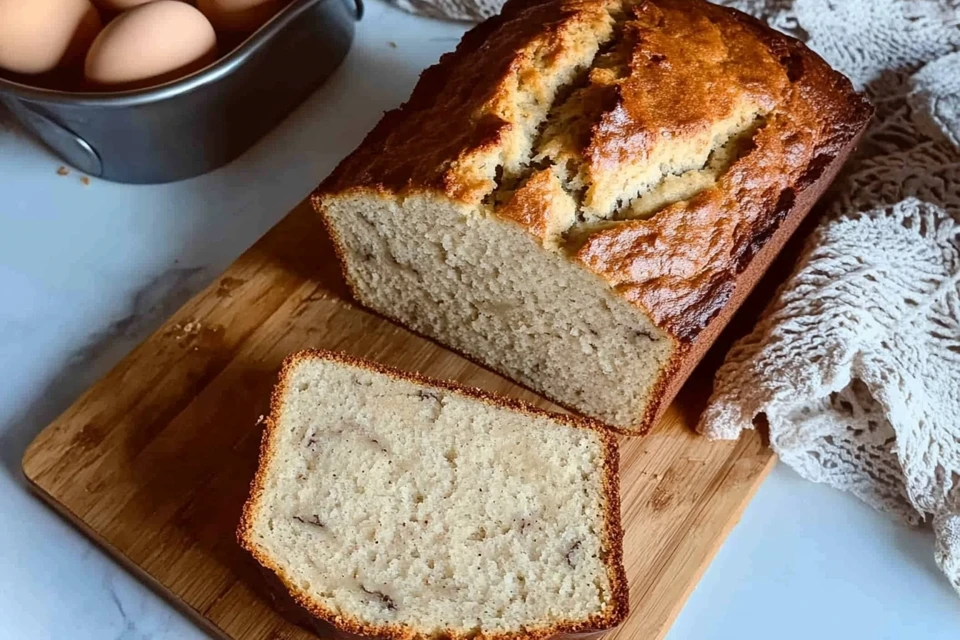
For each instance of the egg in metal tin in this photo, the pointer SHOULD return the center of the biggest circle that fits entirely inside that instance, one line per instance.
(39, 36)
(119, 5)
(240, 16)
(150, 44)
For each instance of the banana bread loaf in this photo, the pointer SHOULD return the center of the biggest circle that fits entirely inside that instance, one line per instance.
(395, 506)
(582, 193)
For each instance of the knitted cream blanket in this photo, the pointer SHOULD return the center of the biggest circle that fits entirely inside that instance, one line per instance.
(855, 366)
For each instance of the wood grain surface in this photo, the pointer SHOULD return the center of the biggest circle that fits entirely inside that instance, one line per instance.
(155, 460)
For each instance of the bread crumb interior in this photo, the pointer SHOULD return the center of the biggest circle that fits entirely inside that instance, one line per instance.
(396, 503)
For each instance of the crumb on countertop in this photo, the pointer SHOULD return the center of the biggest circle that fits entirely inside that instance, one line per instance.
(393, 45)
(63, 171)
(85, 180)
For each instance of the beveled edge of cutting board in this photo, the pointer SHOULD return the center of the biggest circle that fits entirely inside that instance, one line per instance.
(732, 521)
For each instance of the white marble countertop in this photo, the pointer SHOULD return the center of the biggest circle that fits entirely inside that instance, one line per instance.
(88, 271)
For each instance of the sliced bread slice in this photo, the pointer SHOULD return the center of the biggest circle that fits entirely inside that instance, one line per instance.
(393, 505)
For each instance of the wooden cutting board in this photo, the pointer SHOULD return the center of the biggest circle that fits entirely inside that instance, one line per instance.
(155, 460)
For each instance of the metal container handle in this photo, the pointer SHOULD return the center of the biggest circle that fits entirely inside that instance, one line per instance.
(71, 147)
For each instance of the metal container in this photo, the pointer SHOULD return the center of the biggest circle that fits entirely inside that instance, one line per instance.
(197, 123)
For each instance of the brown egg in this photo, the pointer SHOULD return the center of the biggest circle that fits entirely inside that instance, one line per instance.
(149, 45)
(37, 36)
(119, 5)
(240, 16)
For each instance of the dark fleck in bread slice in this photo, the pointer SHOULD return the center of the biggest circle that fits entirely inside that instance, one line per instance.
(393, 505)
(583, 192)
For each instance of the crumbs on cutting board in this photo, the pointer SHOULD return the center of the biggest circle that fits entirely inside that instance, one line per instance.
(190, 328)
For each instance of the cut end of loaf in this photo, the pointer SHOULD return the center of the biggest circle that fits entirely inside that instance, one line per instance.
(396, 506)
(486, 289)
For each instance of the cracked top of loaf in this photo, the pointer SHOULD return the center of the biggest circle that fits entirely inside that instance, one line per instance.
(659, 143)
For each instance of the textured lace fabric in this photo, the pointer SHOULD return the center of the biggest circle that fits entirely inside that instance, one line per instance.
(470, 10)
(855, 366)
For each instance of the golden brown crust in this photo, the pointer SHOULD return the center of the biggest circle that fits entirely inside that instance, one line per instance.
(612, 538)
(462, 107)
(688, 355)
(681, 265)
(688, 64)
(542, 207)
